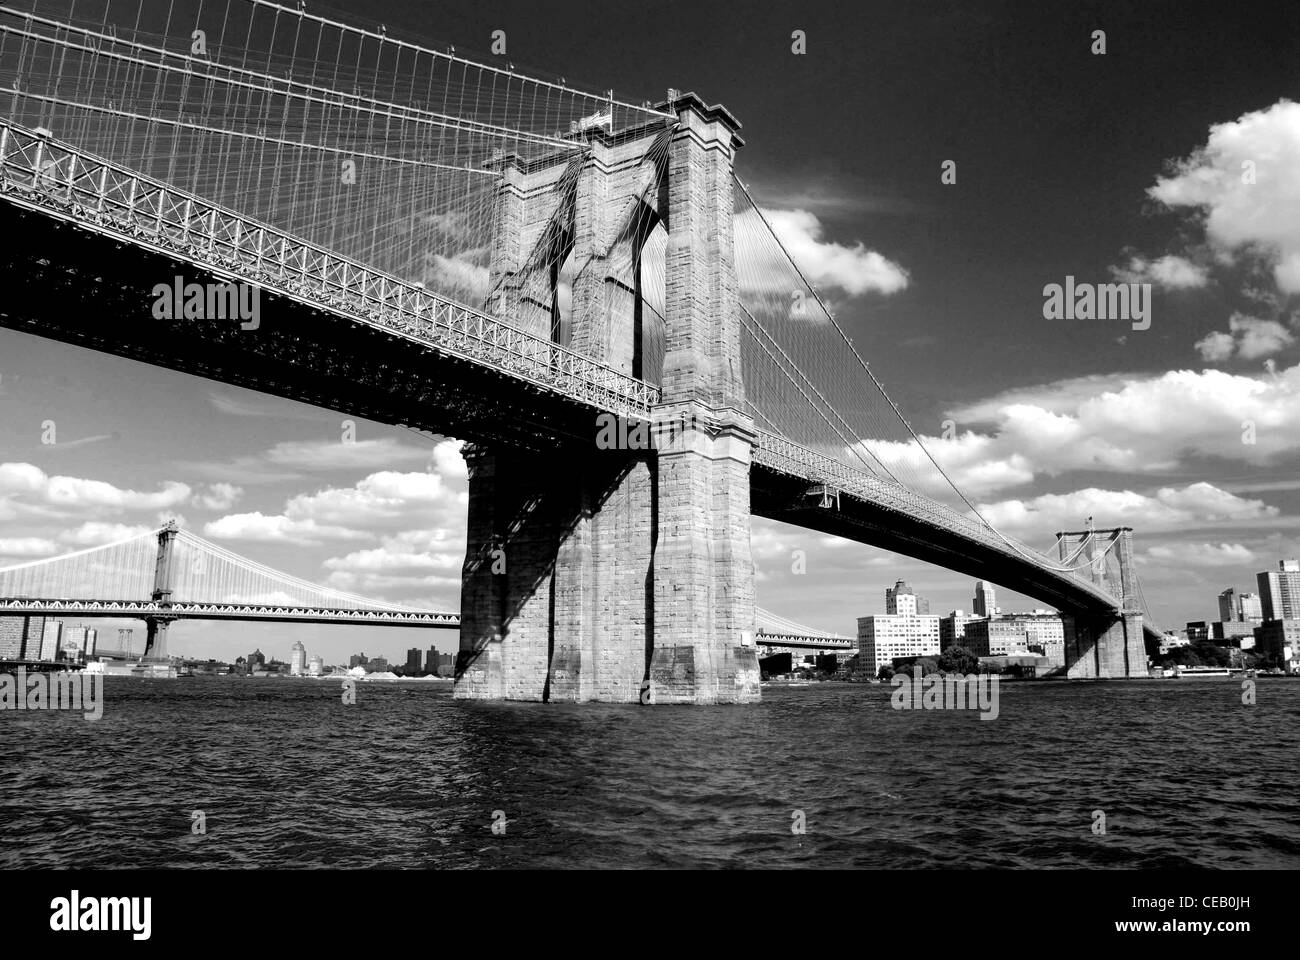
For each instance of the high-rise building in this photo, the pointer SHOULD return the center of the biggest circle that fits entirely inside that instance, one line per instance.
(298, 659)
(357, 660)
(376, 665)
(901, 600)
(1269, 594)
(1249, 609)
(431, 661)
(1279, 591)
(32, 637)
(985, 603)
(413, 660)
(11, 637)
(315, 666)
(952, 629)
(51, 636)
(1228, 605)
(92, 641)
(1289, 581)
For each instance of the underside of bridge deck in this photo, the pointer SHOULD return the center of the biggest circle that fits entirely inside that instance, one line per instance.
(1101, 641)
(81, 287)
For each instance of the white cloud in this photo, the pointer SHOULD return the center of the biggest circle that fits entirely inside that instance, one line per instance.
(27, 547)
(1170, 508)
(219, 496)
(94, 533)
(423, 561)
(23, 480)
(855, 270)
(1117, 424)
(1169, 272)
(1249, 338)
(1200, 554)
(277, 529)
(463, 276)
(1216, 347)
(417, 519)
(1263, 216)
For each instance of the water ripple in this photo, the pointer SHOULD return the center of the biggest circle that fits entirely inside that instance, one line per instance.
(288, 776)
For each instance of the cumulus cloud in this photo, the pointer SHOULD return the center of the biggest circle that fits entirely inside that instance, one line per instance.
(218, 496)
(854, 269)
(27, 547)
(1200, 554)
(258, 526)
(1197, 505)
(1248, 338)
(1245, 184)
(1117, 424)
(27, 484)
(399, 564)
(463, 276)
(385, 506)
(424, 563)
(1169, 272)
(94, 533)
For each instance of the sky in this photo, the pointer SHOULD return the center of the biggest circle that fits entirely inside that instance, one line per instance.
(1171, 159)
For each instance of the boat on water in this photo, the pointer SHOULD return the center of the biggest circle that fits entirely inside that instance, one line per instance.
(1208, 672)
(123, 668)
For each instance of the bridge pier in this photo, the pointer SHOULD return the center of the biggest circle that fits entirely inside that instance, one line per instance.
(621, 574)
(155, 647)
(1104, 647)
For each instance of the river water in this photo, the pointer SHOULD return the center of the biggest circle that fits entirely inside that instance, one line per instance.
(286, 775)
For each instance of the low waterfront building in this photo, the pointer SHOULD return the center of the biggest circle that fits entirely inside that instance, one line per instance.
(884, 638)
(1233, 633)
(1041, 633)
(1171, 641)
(1280, 639)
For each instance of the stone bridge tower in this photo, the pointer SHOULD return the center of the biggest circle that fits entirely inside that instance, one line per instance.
(1112, 644)
(620, 575)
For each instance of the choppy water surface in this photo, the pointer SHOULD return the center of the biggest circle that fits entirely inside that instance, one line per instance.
(288, 776)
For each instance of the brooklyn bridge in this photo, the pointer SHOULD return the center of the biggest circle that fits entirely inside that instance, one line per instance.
(460, 248)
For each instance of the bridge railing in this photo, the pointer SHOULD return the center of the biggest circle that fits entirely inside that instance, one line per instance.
(786, 456)
(106, 196)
